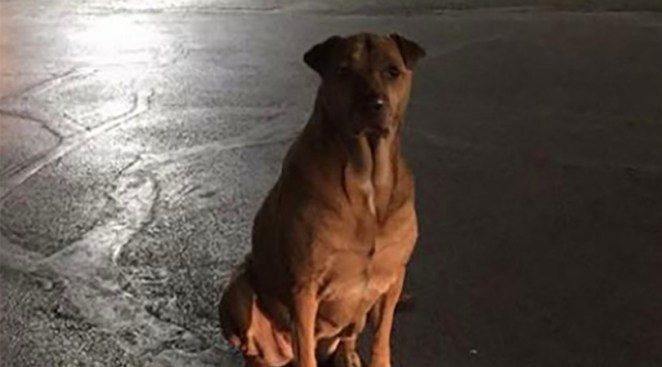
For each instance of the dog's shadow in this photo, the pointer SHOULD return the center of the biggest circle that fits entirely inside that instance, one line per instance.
(329, 363)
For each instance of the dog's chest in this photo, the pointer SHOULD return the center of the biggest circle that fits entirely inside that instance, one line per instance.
(352, 275)
(354, 280)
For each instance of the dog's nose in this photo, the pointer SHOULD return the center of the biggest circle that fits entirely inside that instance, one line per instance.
(378, 103)
(375, 103)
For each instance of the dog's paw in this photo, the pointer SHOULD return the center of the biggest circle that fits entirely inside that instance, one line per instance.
(346, 359)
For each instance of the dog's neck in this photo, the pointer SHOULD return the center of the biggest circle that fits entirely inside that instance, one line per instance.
(370, 167)
(370, 171)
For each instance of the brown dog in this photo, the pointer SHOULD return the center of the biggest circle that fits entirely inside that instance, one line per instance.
(333, 237)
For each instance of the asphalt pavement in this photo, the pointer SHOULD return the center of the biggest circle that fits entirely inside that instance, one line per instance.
(138, 138)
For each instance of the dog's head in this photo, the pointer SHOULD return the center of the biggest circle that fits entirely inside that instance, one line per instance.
(366, 79)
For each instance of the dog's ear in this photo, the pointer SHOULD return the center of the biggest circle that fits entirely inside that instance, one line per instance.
(411, 52)
(318, 56)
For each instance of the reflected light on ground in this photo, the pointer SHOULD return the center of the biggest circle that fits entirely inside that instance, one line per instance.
(121, 39)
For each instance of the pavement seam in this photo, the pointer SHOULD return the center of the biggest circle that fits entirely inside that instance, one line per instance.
(141, 103)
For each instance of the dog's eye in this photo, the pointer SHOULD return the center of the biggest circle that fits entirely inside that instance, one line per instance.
(392, 72)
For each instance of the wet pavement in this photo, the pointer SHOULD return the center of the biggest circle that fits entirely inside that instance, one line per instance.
(138, 138)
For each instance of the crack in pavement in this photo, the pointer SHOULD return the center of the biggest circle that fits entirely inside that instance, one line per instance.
(26, 116)
(17, 258)
(74, 122)
(89, 267)
(461, 46)
(18, 104)
(141, 102)
(259, 136)
(51, 82)
(90, 272)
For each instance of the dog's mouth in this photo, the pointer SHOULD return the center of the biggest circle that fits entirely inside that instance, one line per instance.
(376, 131)
(372, 132)
(377, 124)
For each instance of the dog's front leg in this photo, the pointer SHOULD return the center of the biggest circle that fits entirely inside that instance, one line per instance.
(381, 318)
(305, 313)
